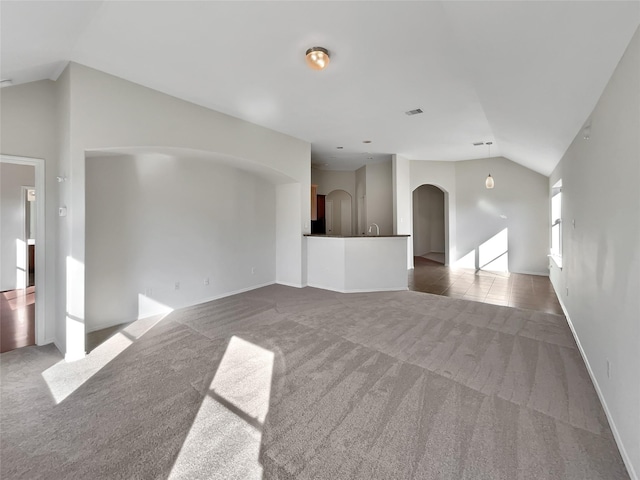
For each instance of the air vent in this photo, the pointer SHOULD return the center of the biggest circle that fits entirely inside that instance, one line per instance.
(414, 112)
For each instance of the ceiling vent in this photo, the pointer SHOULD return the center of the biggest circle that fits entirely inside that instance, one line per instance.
(414, 112)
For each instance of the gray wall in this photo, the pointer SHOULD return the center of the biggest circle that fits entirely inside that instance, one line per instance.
(153, 220)
(12, 214)
(475, 214)
(341, 204)
(521, 195)
(601, 254)
(29, 128)
(329, 181)
(361, 201)
(428, 220)
(379, 196)
(131, 116)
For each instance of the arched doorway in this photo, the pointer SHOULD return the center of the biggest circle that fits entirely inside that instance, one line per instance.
(338, 207)
(429, 223)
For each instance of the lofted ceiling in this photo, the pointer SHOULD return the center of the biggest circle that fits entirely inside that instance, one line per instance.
(524, 75)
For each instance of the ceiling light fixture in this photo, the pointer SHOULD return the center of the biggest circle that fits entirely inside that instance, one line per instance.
(489, 183)
(317, 58)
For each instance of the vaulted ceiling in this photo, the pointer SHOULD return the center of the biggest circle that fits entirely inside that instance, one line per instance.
(524, 74)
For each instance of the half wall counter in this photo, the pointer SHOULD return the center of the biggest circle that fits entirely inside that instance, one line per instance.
(357, 263)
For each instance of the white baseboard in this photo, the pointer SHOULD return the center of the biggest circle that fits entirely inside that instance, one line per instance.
(612, 424)
(100, 326)
(47, 341)
(229, 294)
(528, 272)
(288, 284)
(359, 290)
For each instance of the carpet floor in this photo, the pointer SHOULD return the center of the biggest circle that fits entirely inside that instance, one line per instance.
(284, 383)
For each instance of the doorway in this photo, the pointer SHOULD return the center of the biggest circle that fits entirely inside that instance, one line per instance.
(429, 223)
(338, 207)
(22, 245)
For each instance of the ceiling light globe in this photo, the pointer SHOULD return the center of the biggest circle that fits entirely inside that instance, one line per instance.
(317, 58)
(489, 183)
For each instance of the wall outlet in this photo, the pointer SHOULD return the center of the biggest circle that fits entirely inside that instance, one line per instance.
(206, 281)
(608, 369)
(177, 286)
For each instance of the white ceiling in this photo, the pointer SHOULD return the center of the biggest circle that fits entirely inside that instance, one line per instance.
(523, 74)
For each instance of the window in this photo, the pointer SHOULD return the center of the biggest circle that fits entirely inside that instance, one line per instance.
(556, 223)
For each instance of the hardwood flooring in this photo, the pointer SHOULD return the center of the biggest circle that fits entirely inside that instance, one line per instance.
(17, 313)
(531, 292)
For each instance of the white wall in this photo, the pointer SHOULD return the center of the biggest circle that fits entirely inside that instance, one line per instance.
(360, 200)
(521, 195)
(601, 254)
(12, 216)
(341, 204)
(130, 115)
(379, 196)
(29, 128)
(428, 220)
(474, 213)
(329, 180)
(401, 191)
(154, 220)
(443, 176)
(288, 246)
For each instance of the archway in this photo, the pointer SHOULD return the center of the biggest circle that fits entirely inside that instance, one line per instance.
(338, 207)
(430, 223)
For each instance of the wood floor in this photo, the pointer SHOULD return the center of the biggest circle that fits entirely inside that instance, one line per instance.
(531, 292)
(17, 313)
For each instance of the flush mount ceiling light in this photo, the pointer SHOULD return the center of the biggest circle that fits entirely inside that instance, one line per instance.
(489, 183)
(317, 58)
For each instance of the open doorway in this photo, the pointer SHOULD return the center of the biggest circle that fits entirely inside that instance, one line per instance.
(429, 224)
(22, 250)
(338, 207)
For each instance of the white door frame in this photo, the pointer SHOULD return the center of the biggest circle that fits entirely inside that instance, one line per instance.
(40, 282)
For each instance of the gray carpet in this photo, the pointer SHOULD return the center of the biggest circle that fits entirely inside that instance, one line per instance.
(283, 383)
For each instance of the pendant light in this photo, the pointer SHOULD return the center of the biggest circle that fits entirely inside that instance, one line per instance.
(489, 183)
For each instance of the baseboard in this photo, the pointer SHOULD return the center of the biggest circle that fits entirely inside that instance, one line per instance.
(229, 294)
(288, 284)
(529, 272)
(612, 424)
(103, 325)
(359, 290)
(47, 341)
